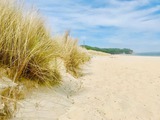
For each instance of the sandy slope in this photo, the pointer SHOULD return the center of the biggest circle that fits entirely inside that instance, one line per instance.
(114, 88)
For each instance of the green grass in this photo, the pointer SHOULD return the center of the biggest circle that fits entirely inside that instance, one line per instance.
(110, 50)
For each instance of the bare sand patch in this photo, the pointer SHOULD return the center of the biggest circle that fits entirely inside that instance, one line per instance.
(114, 88)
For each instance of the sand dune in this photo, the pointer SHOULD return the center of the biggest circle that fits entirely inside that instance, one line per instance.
(114, 88)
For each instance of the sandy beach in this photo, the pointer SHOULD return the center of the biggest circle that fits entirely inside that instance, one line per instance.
(113, 88)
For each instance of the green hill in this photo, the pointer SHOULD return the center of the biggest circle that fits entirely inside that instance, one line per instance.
(110, 50)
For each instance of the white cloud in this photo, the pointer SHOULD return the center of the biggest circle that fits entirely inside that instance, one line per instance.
(117, 13)
(125, 15)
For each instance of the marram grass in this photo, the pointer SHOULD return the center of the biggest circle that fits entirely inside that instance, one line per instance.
(72, 54)
(25, 45)
(28, 52)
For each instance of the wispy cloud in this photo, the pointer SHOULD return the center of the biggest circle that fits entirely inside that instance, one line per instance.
(108, 23)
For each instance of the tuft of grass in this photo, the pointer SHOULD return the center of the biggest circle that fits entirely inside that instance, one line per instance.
(72, 54)
(25, 45)
(8, 103)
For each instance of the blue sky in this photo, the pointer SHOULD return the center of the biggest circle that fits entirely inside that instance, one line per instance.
(131, 24)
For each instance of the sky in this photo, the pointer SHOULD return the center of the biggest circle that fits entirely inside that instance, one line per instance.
(133, 24)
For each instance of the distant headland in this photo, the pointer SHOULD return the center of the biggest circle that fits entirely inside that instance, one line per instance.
(109, 50)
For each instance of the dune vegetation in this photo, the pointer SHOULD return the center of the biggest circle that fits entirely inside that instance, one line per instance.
(28, 51)
(73, 55)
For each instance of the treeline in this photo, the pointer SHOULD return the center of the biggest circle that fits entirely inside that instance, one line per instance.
(110, 50)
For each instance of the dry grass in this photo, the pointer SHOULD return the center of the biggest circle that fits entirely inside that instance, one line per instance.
(25, 45)
(9, 102)
(30, 54)
(26, 51)
(72, 54)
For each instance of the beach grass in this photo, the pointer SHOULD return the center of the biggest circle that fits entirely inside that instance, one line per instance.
(72, 54)
(25, 45)
(30, 53)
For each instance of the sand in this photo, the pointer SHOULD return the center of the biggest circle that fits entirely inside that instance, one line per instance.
(114, 88)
